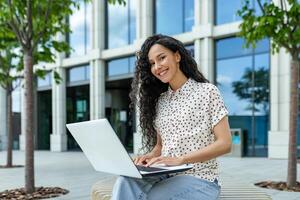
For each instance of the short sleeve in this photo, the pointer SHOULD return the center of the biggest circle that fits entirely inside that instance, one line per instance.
(217, 107)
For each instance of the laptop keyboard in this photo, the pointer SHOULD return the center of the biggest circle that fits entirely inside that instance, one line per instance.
(148, 169)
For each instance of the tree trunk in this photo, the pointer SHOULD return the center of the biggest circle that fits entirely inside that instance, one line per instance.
(292, 158)
(9, 123)
(29, 140)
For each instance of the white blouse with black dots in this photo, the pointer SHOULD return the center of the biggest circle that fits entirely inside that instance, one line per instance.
(185, 120)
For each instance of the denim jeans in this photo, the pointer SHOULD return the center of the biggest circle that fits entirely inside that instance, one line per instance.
(165, 188)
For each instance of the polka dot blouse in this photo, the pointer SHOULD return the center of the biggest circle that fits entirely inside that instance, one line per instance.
(185, 120)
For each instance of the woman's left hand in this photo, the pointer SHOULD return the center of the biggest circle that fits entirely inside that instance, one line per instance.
(169, 161)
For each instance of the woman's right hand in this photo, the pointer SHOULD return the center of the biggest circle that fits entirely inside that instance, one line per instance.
(144, 159)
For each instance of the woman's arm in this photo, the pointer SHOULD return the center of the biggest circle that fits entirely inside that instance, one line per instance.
(156, 152)
(221, 146)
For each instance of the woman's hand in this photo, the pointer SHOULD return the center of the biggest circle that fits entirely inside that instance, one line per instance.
(169, 161)
(144, 159)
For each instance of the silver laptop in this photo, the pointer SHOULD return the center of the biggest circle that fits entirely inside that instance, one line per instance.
(106, 153)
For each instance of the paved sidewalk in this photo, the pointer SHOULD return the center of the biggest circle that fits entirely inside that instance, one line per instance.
(72, 171)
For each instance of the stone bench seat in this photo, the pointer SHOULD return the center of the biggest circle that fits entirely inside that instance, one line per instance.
(102, 189)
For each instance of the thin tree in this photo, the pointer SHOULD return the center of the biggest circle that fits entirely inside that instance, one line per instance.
(281, 23)
(35, 25)
(7, 55)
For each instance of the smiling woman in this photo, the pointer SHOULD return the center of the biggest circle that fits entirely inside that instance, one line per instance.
(183, 120)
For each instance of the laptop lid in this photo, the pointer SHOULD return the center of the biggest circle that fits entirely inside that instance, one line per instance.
(106, 153)
(103, 148)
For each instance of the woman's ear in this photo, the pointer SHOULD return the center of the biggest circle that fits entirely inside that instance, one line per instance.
(177, 56)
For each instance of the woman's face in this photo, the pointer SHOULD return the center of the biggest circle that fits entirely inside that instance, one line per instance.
(164, 63)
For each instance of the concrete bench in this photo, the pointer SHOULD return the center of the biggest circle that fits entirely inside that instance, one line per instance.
(102, 191)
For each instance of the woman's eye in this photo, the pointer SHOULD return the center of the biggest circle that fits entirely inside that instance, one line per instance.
(161, 58)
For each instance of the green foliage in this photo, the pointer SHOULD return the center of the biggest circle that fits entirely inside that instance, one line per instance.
(35, 31)
(277, 22)
(121, 2)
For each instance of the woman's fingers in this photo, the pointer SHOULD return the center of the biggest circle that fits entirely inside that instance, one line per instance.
(140, 160)
(153, 160)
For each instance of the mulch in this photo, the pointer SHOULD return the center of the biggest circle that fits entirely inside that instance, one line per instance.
(14, 166)
(40, 193)
(278, 185)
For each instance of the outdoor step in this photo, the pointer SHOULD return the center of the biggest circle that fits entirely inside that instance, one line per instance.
(102, 191)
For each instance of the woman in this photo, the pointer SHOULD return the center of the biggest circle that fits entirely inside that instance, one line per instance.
(183, 120)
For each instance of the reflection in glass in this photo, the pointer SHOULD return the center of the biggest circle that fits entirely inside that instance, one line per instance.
(121, 66)
(16, 96)
(16, 112)
(78, 109)
(227, 12)
(167, 12)
(81, 73)
(80, 24)
(121, 24)
(46, 81)
(243, 79)
(44, 119)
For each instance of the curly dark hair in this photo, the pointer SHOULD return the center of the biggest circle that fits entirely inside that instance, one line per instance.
(146, 88)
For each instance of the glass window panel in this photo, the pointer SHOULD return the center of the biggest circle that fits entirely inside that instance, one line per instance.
(226, 12)
(168, 12)
(80, 24)
(117, 25)
(132, 21)
(121, 24)
(118, 67)
(189, 15)
(44, 82)
(77, 74)
(87, 71)
(235, 81)
(234, 44)
(16, 96)
(88, 24)
(77, 25)
(225, 70)
(262, 83)
(132, 60)
(262, 46)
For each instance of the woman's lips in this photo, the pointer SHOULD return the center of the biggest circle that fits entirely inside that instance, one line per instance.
(163, 72)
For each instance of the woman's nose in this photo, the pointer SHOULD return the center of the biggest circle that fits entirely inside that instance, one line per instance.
(157, 66)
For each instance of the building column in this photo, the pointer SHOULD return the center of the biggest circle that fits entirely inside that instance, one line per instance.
(207, 58)
(3, 120)
(278, 136)
(97, 89)
(204, 51)
(97, 67)
(58, 138)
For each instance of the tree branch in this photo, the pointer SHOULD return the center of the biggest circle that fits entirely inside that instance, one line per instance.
(14, 26)
(19, 83)
(261, 7)
(29, 21)
(46, 19)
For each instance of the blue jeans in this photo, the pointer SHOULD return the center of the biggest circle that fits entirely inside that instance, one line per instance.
(165, 188)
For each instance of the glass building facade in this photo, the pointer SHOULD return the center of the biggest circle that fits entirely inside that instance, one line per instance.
(173, 16)
(120, 24)
(242, 76)
(80, 24)
(97, 84)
